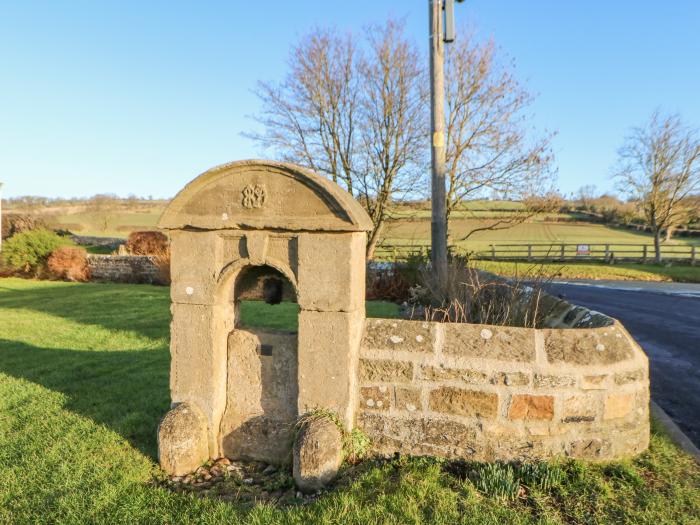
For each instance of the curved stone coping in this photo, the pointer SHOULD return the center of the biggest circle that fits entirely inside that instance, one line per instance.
(499, 393)
(562, 314)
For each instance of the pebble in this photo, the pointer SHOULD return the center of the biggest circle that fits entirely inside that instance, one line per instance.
(270, 469)
(248, 481)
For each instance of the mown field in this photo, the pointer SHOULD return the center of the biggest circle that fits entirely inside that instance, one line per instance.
(84, 382)
(409, 225)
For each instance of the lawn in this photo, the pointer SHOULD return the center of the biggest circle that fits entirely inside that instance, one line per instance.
(84, 382)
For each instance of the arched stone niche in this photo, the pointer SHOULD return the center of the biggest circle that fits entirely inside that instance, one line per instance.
(252, 228)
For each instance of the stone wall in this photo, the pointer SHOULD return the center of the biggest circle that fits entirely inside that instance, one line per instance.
(123, 268)
(490, 392)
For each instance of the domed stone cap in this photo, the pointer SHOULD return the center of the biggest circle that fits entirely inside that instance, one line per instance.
(182, 440)
(317, 454)
(263, 194)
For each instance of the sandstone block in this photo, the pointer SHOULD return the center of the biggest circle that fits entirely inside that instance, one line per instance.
(630, 377)
(195, 263)
(618, 405)
(580, 408)
(594, 346)
(332, 271)
(420, 436)
(440, 373)
(329, 345)
(385, 370)
(375, 398)
(462, 402)
(594, 382)
(525, 406)
(198, 347)
(317, 454)
(407, 398)
(510, 378)
(182, 440)
(550, 381)
(395, 334)
(261, 396)
(593, 448)
(491, 342)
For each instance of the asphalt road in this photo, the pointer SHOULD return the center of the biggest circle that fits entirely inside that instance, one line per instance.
(665, 321)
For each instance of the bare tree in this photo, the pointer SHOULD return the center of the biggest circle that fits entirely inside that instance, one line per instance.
(354, 115)
(488, 148)
(585, 195)
(394, 123)
(660, 167)
(311, 117)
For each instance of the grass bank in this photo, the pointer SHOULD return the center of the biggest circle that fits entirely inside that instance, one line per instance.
(574, 270)
(84, 382)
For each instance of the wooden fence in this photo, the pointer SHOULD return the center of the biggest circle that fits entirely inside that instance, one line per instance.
(610, 253)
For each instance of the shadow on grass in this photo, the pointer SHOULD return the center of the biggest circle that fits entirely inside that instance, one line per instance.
(127, 391)
(144, 309)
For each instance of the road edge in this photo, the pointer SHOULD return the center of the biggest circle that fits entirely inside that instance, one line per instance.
(674, 431)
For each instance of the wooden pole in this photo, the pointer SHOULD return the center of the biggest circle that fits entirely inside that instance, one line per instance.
(437, 110)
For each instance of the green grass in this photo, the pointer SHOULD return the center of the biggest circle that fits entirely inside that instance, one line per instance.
(575, 270)
(84, 382)
(418, 232)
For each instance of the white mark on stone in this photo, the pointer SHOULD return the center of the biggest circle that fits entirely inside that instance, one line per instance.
(394, 325)
(486, 334)
(396, 339)
(189, 290)
(600, 347)
(419, 338)
(425, 325)
(370, 402)
(224, 216)
(618, 335)
(382, 389)
(380, 404)
(411, 407)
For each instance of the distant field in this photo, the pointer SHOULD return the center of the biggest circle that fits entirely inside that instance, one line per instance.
(410, 225)
(109, 223)
(418, 232)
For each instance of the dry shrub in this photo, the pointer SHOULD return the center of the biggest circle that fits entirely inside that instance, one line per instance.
(14, 223)
(69, 263)
(157, 246)
(388, 282)
(147, 243)
(472, 296)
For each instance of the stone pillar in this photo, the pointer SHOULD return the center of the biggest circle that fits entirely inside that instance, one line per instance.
(331, 297)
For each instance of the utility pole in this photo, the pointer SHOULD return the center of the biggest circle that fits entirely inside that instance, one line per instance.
(442, 30)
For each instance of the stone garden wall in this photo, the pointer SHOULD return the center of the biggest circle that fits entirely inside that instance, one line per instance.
(490, 392)
(123, 268)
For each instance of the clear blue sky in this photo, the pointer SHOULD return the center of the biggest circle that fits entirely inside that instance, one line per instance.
(140, 97)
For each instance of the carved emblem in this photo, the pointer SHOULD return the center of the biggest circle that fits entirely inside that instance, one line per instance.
(254, 196)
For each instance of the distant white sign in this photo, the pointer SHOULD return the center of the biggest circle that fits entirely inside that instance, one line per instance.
(583, 249)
